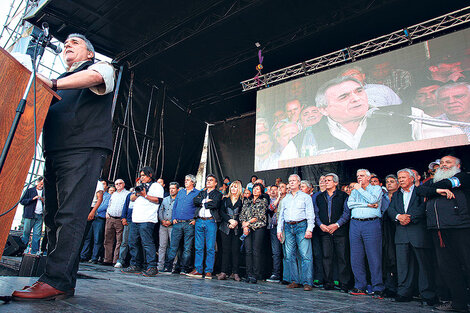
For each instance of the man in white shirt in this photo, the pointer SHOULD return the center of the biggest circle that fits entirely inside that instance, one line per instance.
(147, 200)
(350, 122)
(114, 227)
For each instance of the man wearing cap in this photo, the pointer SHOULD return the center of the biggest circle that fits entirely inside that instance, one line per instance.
(77, 138)
(432, 167)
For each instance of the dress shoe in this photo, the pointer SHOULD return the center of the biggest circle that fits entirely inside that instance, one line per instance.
(447, 307)
(328, 286)
(432, 302)
(41, 291)
(400, 298)
(308, 288)
(293, 285)
(222, 276)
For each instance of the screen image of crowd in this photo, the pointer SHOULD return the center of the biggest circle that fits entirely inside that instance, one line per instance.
(403, 236)
(411, 99)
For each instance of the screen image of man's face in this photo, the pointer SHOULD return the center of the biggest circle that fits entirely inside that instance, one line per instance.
(346, 101)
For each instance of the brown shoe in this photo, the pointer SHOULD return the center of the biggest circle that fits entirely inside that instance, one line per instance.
(195, 274)
(307, 288)
(236, 277)
(41, 291)
(293, 285)
(222, 276)
(208, 276)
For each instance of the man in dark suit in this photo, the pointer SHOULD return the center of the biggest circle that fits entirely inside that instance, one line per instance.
(332, 217)
(411, 240)
(33, 202)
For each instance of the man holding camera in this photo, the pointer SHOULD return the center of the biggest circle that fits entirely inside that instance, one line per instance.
(147, 198)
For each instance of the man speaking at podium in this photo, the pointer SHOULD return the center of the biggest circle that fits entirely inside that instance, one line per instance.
(77, 137)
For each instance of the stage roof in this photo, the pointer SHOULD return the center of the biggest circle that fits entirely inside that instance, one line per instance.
(203, 49)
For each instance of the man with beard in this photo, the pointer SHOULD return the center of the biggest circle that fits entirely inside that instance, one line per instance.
(448, 218)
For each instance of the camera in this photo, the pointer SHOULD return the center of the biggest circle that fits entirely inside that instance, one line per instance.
(139, 188)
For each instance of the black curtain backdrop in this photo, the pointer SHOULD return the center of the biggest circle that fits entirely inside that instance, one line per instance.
(231, 153)
(172, 155)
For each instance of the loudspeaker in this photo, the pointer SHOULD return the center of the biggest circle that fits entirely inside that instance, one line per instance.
(14, 246)
(32, 265)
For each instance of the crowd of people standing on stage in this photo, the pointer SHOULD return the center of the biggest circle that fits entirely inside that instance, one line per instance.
(404, 239)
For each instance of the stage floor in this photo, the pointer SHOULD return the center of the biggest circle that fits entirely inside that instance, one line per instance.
(105, 289)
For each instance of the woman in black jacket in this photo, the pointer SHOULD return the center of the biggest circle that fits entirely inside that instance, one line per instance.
(253, 219)
(230, 231)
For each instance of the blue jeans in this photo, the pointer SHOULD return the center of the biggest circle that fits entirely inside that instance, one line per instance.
(186, 231)
(205, 233)
(296, 242)
(366, 240)
(96, 235)
(124, 249)
(142, 233)
(35, 224)
(276, 249)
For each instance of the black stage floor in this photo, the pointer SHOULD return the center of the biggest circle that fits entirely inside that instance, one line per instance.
(105, 289)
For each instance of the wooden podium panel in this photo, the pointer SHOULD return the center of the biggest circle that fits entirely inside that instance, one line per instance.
(13, 80)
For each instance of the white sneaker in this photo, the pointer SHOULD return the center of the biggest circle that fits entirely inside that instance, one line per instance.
(118, 265)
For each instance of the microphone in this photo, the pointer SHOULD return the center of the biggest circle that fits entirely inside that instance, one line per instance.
(55, 48)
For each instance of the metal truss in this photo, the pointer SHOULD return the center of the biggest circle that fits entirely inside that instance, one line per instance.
(343, 13)
(407, 35)
(184, 30)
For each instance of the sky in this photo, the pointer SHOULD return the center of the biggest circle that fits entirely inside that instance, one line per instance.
(48, 60)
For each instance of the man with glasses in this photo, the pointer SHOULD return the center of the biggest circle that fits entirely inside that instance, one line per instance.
(114, 227)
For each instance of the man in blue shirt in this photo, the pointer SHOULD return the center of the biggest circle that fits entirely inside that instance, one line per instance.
(297, 218)
(365, 234)
(183, 225)
(97, 230)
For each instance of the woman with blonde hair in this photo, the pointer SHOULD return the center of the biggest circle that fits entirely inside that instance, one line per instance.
(230, 232)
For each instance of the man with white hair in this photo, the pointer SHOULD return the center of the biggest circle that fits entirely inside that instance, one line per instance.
(297, 219)
(349, 122)
(455, 98)
(183, 225)
(365, 234)
(77, 137)
(411, 241)
(448, 218)
(114, 228)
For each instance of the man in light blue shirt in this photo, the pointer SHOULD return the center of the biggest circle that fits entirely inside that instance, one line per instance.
(365, 234)
(297, 219)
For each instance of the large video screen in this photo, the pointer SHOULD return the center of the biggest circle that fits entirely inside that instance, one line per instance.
(411, 99)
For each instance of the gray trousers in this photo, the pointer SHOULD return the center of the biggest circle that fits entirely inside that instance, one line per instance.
(164, 239)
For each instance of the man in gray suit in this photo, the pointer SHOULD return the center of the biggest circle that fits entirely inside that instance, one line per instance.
(411, 240)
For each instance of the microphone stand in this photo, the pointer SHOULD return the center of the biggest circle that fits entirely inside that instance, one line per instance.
(41, 44)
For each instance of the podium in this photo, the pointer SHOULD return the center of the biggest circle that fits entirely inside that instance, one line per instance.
(13, 80)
